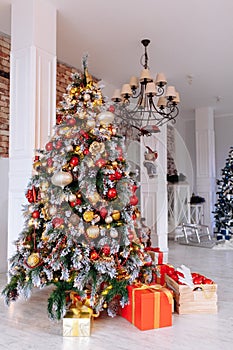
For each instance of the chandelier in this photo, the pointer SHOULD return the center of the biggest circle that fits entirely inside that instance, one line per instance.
(144, 103)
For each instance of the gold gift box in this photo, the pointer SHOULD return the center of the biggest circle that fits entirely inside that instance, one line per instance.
(77, 325)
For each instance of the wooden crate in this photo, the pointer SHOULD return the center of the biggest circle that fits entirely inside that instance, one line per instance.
(201, 299)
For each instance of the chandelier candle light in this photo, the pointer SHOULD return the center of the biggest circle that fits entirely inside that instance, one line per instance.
(155, 104)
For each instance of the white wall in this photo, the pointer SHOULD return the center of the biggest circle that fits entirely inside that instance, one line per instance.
(223, 140)
(185, 153)
(4, 168)
(185, 143)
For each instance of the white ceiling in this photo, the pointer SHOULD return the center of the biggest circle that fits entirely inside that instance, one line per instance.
(188, 38)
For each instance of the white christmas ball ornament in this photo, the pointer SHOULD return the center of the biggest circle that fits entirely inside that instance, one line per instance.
(86, 97)
(108, 219)
(113, 233)
(69, 148)
(90, 123)
(105, 118)
(72, 197)
(62, 178)
(52, 210)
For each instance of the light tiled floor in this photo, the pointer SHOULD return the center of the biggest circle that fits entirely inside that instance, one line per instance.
(25, 326)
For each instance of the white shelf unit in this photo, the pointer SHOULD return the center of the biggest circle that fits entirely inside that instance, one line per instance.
(178, 205)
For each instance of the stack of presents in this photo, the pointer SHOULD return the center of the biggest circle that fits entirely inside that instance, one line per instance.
(151, 306)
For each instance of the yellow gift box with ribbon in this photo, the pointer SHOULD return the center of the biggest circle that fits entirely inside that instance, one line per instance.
(150, 306)
(77, 321)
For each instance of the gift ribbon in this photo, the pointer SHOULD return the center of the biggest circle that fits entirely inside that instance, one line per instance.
(156, 250)
(152, 288)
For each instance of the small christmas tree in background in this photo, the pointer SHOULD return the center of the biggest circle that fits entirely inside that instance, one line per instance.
(79, 232)
(224, 207)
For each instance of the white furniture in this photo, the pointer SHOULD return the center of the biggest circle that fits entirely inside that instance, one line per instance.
(197, 213)
(178, 205)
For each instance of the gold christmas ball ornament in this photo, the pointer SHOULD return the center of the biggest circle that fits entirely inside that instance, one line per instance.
(77, 150)
(73, 90)
(61, 178)
(116, 215)
(63, 130)
(105, 118)
(33, 259)
(37, 165)
(96, 148)
(88, 215)
(93, 231)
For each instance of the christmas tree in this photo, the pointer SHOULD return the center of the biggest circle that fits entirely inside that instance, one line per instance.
(79, 228)
(224, 207)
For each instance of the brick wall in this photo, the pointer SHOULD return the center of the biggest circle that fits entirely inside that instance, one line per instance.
(63, 79)
(4, 94)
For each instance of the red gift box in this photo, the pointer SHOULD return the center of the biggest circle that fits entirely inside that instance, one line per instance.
(156, 255)
(150, 306)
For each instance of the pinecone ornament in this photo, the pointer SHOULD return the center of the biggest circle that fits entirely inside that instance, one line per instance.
(113, 307)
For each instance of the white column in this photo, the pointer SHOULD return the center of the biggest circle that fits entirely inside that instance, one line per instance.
(205, 158)
(32, 97)
(154, 190)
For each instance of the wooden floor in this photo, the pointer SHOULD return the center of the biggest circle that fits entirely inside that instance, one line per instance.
(25, 325)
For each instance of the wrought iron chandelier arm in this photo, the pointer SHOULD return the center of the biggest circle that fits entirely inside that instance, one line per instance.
(153, 106)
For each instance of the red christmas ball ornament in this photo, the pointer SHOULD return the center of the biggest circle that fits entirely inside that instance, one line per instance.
(207, 281)
(100, 162)
(134, 216)
(112, 193)
(74, 161)
(118, 175)
(77, 202)
(58, 119)
(86, 151)
(133, 200)
(58, 144)
(111, 109)
(56, 222)
(134, 188)
(35, 214)
(29, 196)
(71, 121)
(84, 134)
(106, 249)
(50, 162)
(120, 158)
(49, 146)
(103, 212)
(94, 255)
(112, 177)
